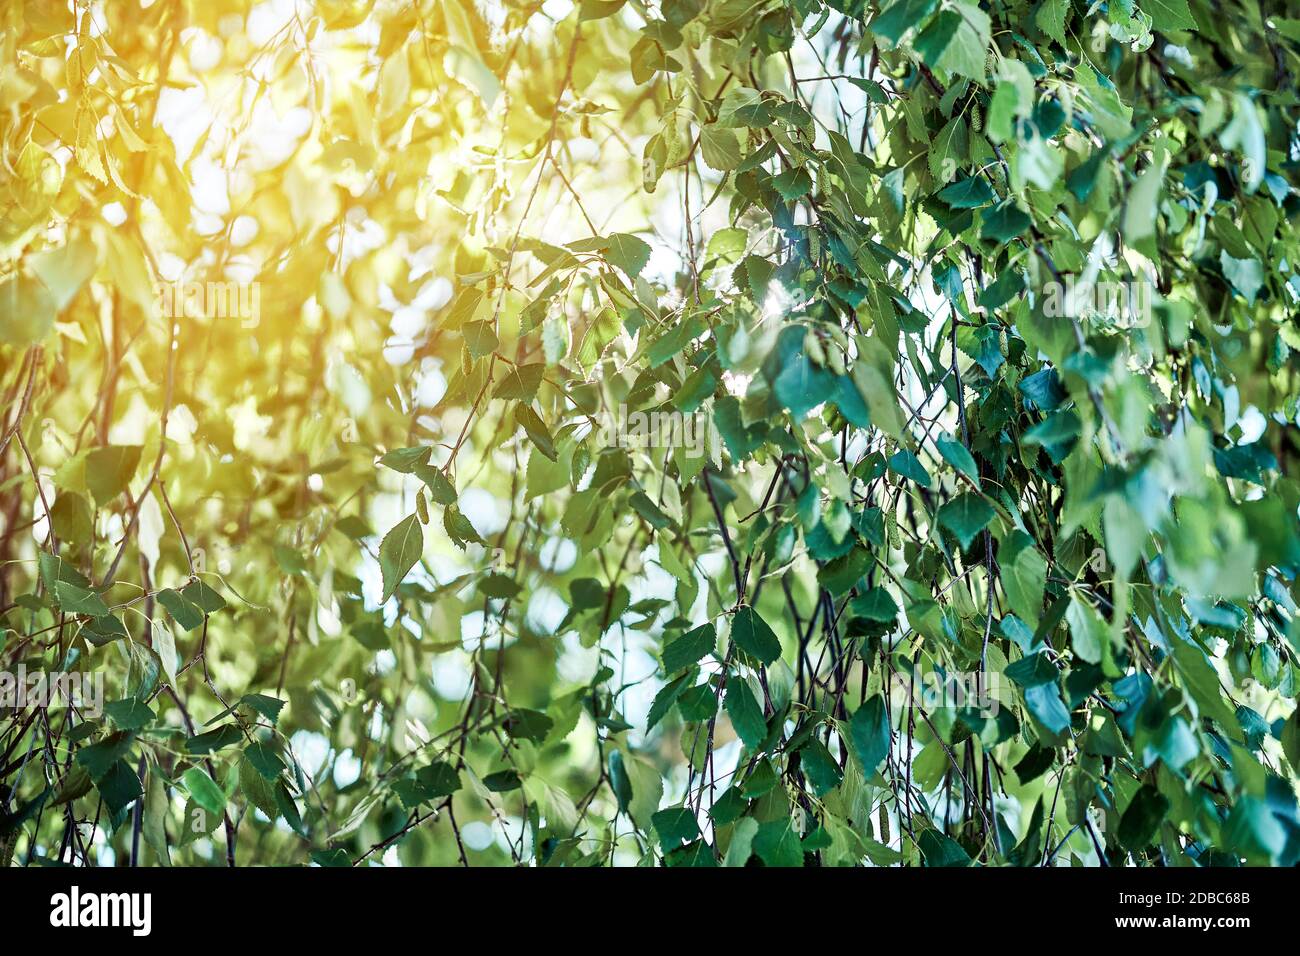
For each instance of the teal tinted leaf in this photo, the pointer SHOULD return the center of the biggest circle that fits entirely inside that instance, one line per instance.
(1033, 670)
(1044, 702)
(619, 781)
(955, 453)
(904, 463)
(802, 385)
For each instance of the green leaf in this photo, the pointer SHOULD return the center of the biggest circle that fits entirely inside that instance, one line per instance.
(1004, 222)
(869, 736)
(939, 850)
(745, 713)
(204, 791)
(675, 826)
(720, 148)
(1142, 817)
(155, 814)
(99, 758)
(793, 183)
(27, 310)
(1051, 17)
(257, 789)
(966, 516)
(537, 433)
(120, 787)
(1169, 15)
(503, 781)
(109, 470)
(753, 636)
(1088, 632)
(820, 767)
(956, 41)
(521, 383)
(459, 528)
(689, 648)
(628, 253)
(968, 193)
(406, 460)
(955, 453)
(228, 735)
(399, 551)
(129, 713)
(480, 339)
(777, 844)
(441, 490)
(1023, 576)
(900, 16)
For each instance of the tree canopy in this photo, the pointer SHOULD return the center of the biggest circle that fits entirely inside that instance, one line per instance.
(688, 432)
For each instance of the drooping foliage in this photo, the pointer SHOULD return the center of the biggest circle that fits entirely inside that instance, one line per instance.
(695, 432)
